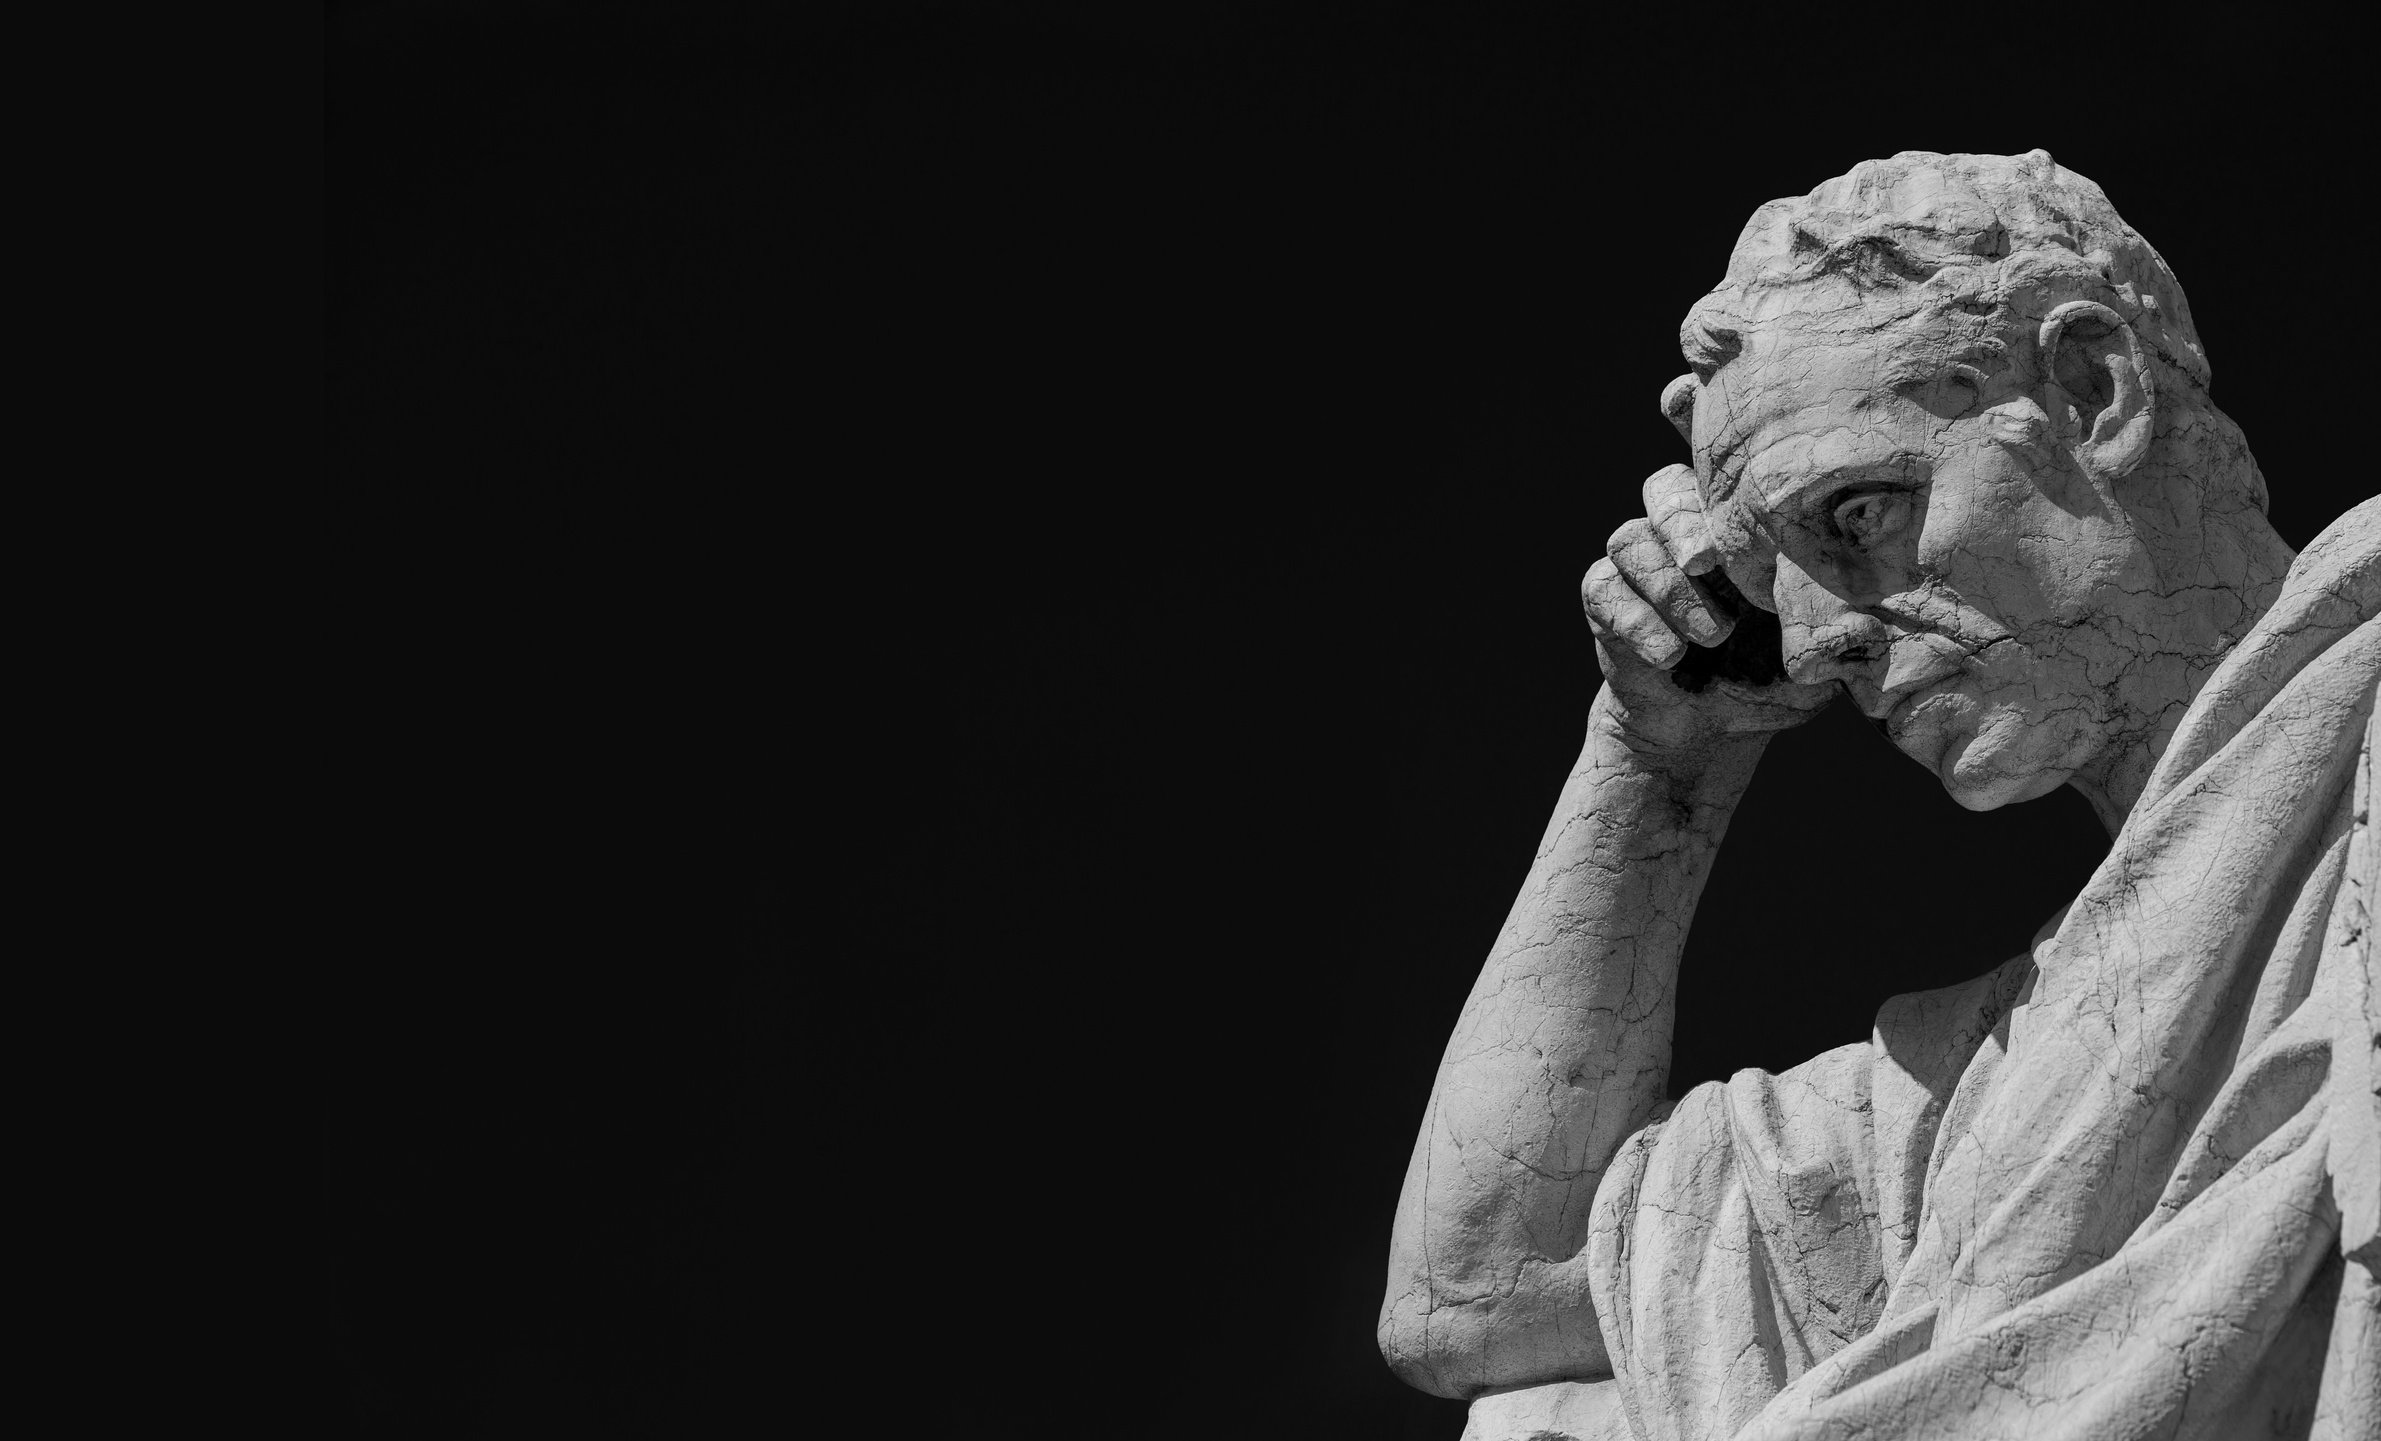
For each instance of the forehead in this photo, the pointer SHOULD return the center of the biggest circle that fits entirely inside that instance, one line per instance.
(1803, 400)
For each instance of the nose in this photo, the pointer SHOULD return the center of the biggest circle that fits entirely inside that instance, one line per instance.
(1825, 637)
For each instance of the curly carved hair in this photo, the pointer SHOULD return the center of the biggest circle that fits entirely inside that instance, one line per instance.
(1982, 245)
(1923, 233)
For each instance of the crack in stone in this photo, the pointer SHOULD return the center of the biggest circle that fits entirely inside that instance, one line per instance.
(1954, 456)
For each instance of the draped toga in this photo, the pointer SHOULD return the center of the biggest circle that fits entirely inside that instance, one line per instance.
(2127, 1185)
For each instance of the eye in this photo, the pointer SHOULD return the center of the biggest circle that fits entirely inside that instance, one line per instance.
(1871, 516)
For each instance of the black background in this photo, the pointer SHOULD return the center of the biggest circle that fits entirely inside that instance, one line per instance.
(969, 621)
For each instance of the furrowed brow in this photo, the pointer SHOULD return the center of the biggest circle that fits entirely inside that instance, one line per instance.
(1783, 493)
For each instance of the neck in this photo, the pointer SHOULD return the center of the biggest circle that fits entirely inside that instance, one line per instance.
(2232, 583)
(2113, 783)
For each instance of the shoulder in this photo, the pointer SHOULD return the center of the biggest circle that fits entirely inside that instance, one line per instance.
(1931, 1035)
(2350, 543)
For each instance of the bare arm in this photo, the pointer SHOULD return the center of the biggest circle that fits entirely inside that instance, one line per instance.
(1562, 1051)
(1563, 1048)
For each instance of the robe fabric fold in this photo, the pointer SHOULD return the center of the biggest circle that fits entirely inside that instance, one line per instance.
(2127, 1185)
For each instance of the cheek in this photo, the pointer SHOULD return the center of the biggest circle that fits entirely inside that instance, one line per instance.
(2035, 727)
(2006, 547)
(1974, 508)
(2080, 563)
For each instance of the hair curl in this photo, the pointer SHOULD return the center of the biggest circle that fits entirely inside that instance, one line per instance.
(1976, 241)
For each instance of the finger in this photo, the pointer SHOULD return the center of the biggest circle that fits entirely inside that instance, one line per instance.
(1646, 564)
(1675, 507)
(1616, 612)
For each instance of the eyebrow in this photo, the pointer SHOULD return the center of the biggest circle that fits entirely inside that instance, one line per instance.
(1894, 466)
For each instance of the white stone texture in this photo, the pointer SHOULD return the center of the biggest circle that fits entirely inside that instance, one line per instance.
(1951, 428)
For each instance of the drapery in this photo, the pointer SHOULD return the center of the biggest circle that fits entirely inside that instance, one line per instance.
(2126, 1185)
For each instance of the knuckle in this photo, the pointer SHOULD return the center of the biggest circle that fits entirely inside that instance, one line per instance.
(1595, 588)
(1689, 543)
(1636, 541)
(1661, 585)
(1643, 624)
(1671, 487)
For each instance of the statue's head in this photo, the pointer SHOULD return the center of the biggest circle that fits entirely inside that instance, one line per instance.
(1950, 421)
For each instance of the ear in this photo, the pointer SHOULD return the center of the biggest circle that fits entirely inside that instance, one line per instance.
(2097, 389)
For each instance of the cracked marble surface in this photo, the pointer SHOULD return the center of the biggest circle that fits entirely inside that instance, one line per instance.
(1954, 455)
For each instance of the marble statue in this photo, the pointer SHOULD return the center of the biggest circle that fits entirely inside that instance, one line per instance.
(1954, 456)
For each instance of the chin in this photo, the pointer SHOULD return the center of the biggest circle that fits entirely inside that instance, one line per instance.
(1999, 788)
(1984, 776)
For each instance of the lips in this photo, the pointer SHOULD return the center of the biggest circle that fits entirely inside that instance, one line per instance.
(1903, 710)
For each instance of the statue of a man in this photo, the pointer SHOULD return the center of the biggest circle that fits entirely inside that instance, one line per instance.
(1954, 455)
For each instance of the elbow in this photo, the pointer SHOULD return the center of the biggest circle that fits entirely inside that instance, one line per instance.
(1420, 1346)
(1460, 1349)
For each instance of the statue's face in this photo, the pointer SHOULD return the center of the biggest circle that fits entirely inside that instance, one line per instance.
(1900, 506)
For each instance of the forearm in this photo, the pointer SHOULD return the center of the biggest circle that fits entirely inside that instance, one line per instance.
(1562, 1050)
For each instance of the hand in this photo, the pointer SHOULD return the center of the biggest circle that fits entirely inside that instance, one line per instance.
(1686, 657)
